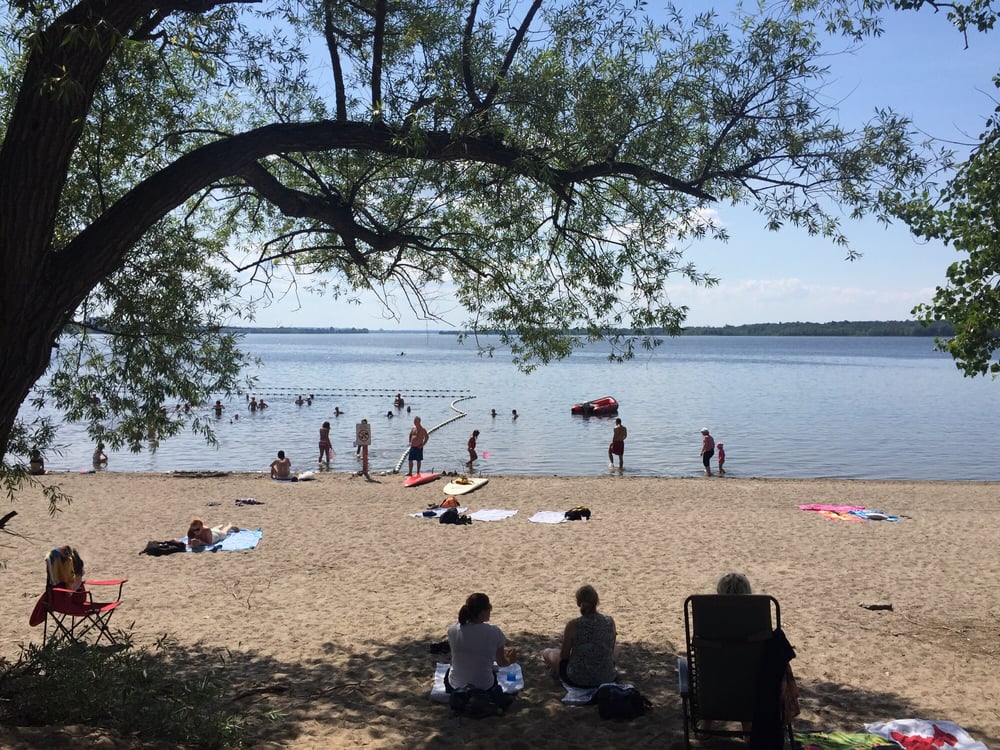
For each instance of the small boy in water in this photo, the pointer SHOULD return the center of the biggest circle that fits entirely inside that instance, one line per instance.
(722, 457)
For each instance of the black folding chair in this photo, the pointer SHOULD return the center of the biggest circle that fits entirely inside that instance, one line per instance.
(727, 637)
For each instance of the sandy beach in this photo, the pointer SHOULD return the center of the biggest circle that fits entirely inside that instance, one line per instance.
(329, 619)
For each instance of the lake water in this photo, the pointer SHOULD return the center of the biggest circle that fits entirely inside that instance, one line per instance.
(882, 408)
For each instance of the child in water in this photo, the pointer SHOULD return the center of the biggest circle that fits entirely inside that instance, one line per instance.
(721, 452)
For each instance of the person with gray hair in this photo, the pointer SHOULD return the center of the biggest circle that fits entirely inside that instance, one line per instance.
(739, 584)
(707, 450)
(589, 651)
(733, 583)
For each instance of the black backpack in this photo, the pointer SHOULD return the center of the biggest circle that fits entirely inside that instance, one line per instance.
(155, 549)
(478, 704)
(620, 702)
(579, 513)
(451, 516)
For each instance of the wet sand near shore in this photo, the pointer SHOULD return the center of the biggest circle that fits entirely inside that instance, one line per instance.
(329, 619)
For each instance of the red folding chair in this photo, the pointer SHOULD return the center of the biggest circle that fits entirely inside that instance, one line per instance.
(74, 613)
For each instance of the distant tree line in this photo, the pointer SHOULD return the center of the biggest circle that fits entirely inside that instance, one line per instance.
(293, 329)
(937, 329)
(833, 328)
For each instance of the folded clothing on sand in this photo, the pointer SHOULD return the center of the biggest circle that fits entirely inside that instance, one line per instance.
(434, 512)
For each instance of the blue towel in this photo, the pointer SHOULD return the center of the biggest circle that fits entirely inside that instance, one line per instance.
(238, 540)
(873, 515)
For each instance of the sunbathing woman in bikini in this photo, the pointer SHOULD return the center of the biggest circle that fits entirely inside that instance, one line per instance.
(200, 535)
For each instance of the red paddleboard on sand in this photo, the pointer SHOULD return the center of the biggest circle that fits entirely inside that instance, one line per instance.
(419, 479)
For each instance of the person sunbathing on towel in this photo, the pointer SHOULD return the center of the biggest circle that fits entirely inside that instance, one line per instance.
(200, 535)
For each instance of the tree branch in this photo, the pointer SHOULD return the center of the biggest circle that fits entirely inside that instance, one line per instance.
(467, 80)
(378, 45)
(508, 60)
(100, 248)
(338, 72)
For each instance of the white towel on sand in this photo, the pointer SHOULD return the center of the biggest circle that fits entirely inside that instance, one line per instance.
(577, 696)
(440, 695)
(944, 734)
(491, 514)
(548, 516)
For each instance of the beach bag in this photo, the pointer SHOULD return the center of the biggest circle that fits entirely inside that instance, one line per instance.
(578, 513)
(452, 516)
(478, 704)
(155, 549)
(620, 702)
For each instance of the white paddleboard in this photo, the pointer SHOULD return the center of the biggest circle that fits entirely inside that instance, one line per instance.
(464, 485)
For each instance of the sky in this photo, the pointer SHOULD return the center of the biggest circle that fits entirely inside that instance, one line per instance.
(919, 68)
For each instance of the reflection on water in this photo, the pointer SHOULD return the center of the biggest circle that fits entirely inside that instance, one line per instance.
(783, 407)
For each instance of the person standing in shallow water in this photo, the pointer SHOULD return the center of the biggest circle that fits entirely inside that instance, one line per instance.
(617, 446)
(472, 448)
(325, 446)
(707, 450)
(418, 439)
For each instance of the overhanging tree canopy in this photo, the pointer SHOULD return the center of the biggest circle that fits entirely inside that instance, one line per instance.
(966, 212)
(546, 160)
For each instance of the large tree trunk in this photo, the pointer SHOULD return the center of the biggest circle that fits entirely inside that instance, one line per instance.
(28, 332)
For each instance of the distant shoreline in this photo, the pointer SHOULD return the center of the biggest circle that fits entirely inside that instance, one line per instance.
(859, 328)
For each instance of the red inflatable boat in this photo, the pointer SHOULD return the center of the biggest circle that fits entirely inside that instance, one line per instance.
(600, 407)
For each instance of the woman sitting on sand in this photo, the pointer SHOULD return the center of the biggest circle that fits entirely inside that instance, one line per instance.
(589, 652)
(475, 645)
(199, 535)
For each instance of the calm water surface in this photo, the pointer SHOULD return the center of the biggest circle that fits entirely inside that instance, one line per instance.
(886, 408)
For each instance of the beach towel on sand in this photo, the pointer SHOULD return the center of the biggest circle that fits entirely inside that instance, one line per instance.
(516, 685)
(920, 734)
(549, 516)
(239, 540)
(578, 696)
(834, 512)
(843, 741)
(848, 512)
(491, 514)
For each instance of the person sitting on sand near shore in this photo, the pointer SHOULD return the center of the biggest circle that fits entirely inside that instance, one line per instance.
(475, 646)
(281, 467)
(588, 654)
(200, 535)
(36, 464)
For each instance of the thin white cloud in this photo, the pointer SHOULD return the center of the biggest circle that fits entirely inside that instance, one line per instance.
(792, 299)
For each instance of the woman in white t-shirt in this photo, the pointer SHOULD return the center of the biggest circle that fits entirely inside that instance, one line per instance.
(476, 645)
